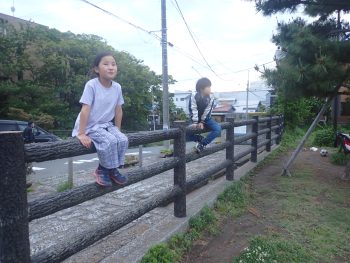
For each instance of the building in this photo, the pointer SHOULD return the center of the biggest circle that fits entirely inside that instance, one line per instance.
(182, 100)
(270, 99)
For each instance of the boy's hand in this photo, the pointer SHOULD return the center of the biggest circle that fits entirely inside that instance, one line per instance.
(85, 140)
(200, 126)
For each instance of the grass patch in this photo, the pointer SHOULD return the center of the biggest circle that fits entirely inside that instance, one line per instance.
(272, 249)
(166, 151)
(233, 200)
(64, 186)
(313, 217)
(338, 158)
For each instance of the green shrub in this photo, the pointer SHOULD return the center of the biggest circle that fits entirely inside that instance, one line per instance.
(324, 137)
(160, 253)
(201, 222)
(233, 200)
(338, 158)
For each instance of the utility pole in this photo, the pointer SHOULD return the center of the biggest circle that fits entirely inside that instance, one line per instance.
(165, 77)
(247, 99)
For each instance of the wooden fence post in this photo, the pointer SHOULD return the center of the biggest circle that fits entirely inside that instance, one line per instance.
(180, 171)
(254, 141)
(268, 134)
(230, 137)
(14, 230)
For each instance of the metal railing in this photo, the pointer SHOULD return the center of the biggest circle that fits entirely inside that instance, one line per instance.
(16, 212)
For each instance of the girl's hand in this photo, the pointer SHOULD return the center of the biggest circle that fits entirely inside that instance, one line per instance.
(200, 126)
(85, 140)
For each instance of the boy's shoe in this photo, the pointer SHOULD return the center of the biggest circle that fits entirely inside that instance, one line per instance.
(117, 177)
(102, 177)
(199, 147)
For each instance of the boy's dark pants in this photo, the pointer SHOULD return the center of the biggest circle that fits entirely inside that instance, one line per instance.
(215, 131)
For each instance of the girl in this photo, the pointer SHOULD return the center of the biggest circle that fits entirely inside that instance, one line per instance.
(102, 102)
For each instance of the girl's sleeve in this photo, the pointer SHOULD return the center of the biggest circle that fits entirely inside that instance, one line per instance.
(88, 95)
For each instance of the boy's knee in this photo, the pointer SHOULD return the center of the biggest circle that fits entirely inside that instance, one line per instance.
(218, 131)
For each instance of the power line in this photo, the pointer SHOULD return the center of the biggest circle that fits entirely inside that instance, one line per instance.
(233, 72)
(193, 39)
(151, 33)
(175, 48)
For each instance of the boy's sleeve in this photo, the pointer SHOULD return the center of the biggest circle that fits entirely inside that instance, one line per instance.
(208, 109)
(120, 100)
(194, 110)
(88, 95)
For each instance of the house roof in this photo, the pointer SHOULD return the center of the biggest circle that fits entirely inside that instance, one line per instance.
(223, 108)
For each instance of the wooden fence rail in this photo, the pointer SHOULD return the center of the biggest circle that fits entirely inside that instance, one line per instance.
(16, 212)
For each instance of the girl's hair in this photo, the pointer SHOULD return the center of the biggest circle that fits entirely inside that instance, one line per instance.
(97, 61)
(202, 84)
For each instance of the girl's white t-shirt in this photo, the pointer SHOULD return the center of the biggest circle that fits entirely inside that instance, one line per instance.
(102, 101)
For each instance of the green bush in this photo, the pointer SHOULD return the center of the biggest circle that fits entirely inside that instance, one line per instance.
(160, 253)
(324, 137)
(338, 158)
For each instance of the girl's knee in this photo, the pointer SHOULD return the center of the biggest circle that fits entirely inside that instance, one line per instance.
(124, 139)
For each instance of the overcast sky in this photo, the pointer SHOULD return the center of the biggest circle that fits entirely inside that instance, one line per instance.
(230, 33)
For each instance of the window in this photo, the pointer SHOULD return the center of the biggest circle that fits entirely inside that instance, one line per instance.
(8, 127)
(182, 99)
(22, 126)
(177, 99)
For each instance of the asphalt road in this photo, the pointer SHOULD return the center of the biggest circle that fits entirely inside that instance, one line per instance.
(88, 162)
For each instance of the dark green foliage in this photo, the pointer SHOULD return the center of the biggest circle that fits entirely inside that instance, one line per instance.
(298, 112)
(338, 158)
(324, 137)
(43, 73)
(314, 55)
(159, 254)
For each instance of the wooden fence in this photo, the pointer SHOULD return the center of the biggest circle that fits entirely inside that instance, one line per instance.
(16, 212)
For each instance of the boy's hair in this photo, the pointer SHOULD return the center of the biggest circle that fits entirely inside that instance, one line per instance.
(30, 123)
(202, 84)
(98, 59)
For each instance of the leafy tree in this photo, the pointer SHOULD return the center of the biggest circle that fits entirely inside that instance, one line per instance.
(312, 62)
(43, 72)
(315, 56)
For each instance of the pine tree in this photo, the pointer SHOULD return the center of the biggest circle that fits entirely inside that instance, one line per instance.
(314, 57)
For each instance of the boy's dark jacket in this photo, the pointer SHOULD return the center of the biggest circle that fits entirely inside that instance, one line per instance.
(200, 107)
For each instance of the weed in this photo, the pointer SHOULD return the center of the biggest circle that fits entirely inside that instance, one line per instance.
(264, 249)
(160, 253)
(64, 186)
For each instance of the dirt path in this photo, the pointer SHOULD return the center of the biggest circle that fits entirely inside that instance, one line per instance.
(315, 184)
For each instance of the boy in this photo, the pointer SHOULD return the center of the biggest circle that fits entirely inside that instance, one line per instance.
(201, 106)
(28, 133)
